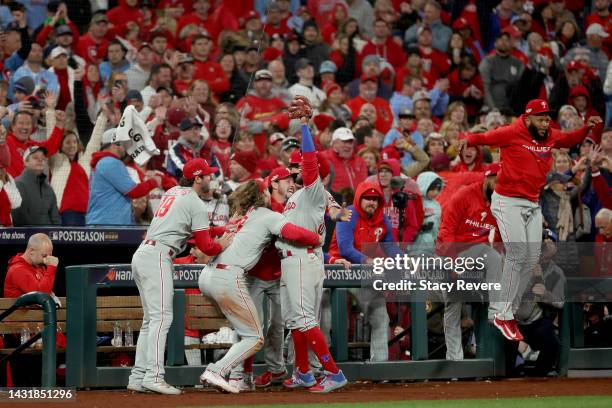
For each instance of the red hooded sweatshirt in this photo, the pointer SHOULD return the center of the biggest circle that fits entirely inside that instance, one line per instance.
(22, 278)
(462, 166)
(525, 161)
(366, 230)
(577, 91)
(467, 218)
(347, 172)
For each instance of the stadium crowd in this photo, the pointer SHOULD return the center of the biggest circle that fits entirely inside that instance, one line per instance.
(395, 84)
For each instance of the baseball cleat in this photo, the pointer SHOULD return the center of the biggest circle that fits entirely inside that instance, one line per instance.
(217, 381)
(508, 328)
(136, 387)
(269, 378)
(298, 380)
(244, 384)
(161, 387)
(330, 383)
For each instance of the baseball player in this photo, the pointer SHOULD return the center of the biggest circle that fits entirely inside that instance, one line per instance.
(224, 280)
(467, 228)
(263, 282)
(526, 157)
(180, 214)
(302, 271)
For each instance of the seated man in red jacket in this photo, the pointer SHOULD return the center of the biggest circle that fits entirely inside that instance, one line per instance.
(33, 270)
(467, 227)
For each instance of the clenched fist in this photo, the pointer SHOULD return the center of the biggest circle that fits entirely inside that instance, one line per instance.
(50, 260)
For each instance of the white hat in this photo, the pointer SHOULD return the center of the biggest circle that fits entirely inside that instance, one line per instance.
(597, 29)
(420, 95)
(343, 134)
(57, 51)
(108, 137)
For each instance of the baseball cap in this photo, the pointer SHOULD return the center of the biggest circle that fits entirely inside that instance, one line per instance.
(460, 24)
(108, 137)
(328, 67)
(99, 17)
(512, 30)
(248, 160)
(289, 143)
(24, 85)
(366, 78)
(576, 65)
(422, 29)
(370, 59)
(597, 29)
(63, 30)
(187, 124)
(145, 45)
(420, 95)
(537, 107)
(292, 37)
(155, 34)
(175, 116)
(251, 15)
(133, 94)
(549, 234)
(57, 51)
(392, 164)
(302, 63)
(322, 121)
(546, 51)
(197, 167)
(279, 173)
(405, 113)
(343, 134)
(331, 87)
(413, 49)
(492, 169)
(31, 150)
(276, 137)
(263, 74)
(371, 193)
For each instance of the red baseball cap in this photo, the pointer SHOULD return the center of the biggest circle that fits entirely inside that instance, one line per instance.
(276, 137)
(537, 107)
(279, 173)
(512, 30)
(546, 51)
(322, 121)
(248, 160)
(460, 23)
(371, 192)
(576, 65)
(366, 78)
(175, 116)
(492, 169)
(197, 167)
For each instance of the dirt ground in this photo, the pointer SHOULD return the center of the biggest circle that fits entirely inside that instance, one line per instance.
(363, 392)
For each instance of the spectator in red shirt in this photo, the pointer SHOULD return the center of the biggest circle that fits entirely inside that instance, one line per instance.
(33, 270)
(433, 61)
(205, 68)
(368, 88)
(92, 46)
(201, 18)
(384, 46)
(349, 168)
(275, 24)
(260, 108)
(339, 17)
(580, 99)
(126, 11)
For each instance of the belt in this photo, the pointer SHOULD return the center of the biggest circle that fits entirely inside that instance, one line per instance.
(153, 243)
(287, 252)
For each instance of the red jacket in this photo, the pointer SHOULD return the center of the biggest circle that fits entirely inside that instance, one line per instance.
(467, 218)
(390, 50)
(435, 61)
(347, 172)
(525, 161)
(22, 278)
(17, 148)
(212, 73)
(123, 14)
(384, 116)
(90, 50)
(269, 265)
(43, 35)
(5, 209)
(602, 190)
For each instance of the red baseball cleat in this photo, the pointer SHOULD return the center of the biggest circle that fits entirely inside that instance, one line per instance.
(508, 328)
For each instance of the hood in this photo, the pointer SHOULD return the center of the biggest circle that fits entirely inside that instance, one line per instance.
(378, 215)
(17, 260)
(425, 180)
(96, 157)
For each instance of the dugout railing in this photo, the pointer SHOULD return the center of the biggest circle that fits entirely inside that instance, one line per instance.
(84, 282)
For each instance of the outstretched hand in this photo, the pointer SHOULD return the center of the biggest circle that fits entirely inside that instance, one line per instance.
(461, 144)
(300, 109)
(345, 214)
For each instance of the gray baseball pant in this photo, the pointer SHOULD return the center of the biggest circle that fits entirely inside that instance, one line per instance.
(373, 304)
(228, 288)
(520, 225)
(273, 346)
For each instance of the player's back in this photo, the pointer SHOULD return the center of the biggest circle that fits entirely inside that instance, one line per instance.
(178, 214)
(255, 231)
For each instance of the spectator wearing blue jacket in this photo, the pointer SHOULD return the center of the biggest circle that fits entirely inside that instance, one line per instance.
(43, 79)
(351, 242)
(112, 189)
